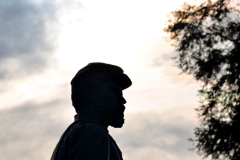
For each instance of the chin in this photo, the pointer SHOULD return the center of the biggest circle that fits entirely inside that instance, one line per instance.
(117, 123)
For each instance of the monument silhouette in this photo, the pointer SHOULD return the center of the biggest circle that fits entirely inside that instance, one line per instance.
(98, 100)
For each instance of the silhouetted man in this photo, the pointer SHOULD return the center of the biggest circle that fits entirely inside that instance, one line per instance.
(99, 103)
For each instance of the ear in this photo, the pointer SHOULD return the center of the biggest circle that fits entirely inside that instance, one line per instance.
(90, 92)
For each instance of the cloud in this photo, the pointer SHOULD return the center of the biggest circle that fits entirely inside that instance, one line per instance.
(29, 36)
(26, 37)
(31, 131)
(163, 59)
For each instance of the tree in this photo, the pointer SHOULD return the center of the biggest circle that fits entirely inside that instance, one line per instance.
(207, 39)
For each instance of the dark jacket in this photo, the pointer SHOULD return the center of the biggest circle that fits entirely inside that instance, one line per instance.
(85, 139)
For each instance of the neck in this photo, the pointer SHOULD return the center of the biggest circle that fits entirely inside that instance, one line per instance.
(89, 114)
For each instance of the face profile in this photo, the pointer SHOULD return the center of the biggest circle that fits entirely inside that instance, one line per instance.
(110, 97)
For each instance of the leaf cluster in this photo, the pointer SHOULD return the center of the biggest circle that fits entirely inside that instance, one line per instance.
(207, 38)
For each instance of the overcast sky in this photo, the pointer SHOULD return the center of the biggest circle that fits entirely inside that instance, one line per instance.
(44, 43)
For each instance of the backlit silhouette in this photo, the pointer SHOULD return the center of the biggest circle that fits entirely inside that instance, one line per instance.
(99, 103)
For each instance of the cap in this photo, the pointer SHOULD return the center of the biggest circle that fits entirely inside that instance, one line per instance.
(98, 70)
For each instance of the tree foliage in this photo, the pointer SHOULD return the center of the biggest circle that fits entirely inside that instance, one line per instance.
(207, 38)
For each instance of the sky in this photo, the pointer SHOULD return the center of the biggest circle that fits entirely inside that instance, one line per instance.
(44, 43)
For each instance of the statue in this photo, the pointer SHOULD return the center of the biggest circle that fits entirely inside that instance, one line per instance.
(99, 103)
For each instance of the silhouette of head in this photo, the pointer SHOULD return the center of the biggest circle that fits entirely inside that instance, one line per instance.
(99, 86)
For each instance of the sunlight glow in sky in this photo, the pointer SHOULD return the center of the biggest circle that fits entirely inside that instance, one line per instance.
(125, 33)
(118, 32)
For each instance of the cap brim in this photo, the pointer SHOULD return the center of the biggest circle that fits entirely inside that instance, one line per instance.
(121, 79)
